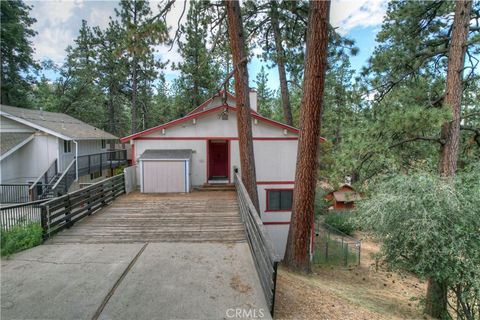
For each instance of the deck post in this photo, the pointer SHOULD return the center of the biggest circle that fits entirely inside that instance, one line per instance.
(89, 164)
(68, 210)
(43, 221)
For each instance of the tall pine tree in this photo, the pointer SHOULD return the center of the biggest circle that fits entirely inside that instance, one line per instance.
(199, 74)
(140, 33)
(17, 52)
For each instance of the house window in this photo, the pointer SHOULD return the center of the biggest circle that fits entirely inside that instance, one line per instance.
(279, 199)
(104, 144)
(67, 146)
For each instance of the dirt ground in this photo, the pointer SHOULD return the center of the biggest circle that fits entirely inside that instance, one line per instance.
(349, 293)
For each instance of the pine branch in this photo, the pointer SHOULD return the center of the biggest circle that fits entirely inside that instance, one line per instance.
(219, 88)
(418, 138)
(177, 32)
(165, 10)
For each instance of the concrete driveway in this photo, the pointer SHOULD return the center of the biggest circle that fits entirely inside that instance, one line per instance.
(142, 257)
(132, 281)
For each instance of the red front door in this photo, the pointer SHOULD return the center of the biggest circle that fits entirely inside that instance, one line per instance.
(218, 159)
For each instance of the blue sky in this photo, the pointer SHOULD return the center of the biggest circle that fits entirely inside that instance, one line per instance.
(58, 22)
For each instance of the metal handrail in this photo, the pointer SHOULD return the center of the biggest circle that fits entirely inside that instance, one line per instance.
(64, 173)
(94, 154)
(43, 173)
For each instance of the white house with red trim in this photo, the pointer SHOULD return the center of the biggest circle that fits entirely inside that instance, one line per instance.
(204, 150)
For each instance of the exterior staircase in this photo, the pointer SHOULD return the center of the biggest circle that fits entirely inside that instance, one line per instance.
(216, 187)
(48, 192)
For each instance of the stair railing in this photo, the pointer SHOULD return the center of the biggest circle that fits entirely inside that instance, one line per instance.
(43, 181)
(65, 181)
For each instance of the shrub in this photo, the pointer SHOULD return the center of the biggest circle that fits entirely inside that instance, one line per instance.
(430, 226)
(342, 221)
(20, 238)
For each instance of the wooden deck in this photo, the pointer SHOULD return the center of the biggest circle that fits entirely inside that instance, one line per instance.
(195, 217)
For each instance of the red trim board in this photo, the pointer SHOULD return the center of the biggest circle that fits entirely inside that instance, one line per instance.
(213, 138)
(275, 222)
(195, 115)
(229, 163)
(219, 94)
(275, 182)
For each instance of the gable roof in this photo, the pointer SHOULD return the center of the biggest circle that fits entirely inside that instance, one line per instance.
(56, 124)
(205, 112)
(206, 102)
(11, 141)
(346, 196)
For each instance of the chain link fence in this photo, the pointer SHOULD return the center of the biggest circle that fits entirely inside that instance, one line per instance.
(333, 247)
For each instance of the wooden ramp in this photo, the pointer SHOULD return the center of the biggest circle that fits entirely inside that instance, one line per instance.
(195, 217)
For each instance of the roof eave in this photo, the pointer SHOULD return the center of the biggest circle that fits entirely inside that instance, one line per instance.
(35, 126)
(197, 114)
(18, 146)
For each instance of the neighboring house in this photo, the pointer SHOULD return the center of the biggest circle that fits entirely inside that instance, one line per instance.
(206, 151)
(343, 198)
(37, 147)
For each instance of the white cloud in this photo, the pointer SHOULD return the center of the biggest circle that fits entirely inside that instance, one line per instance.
(347, 14)
(51, 44)
(56, 12)
(52, 25)
(100, 17)
(58, 22)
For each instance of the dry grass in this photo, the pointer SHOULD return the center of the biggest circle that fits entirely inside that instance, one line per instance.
(354, 293)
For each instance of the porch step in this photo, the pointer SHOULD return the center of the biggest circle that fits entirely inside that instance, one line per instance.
(217, 187)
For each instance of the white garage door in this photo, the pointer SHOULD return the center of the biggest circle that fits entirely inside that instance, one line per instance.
(164, 176)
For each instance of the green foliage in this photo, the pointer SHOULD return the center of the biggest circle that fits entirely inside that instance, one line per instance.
(342, 221)
(17, 53)
(20, 238)
(430, 226)
(265, 94)
(199, 72)
(395, 126)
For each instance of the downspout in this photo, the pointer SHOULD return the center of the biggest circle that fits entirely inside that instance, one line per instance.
(76, 160)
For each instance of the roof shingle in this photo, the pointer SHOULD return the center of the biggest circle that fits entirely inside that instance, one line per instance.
(176, 154)
(59, 123)
(10, 140)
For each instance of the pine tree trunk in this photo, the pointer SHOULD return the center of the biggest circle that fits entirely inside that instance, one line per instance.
(454, 87)
(436, 300)
(244, 119)
(134, 77)
(134, 97)
(111, 111)
(280, 60)
(299, 237)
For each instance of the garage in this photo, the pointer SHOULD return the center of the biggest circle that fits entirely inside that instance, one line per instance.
(165, 171)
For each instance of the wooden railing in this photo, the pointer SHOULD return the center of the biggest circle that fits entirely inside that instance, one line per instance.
(260, 244)
(64, 211)
(20, 214)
